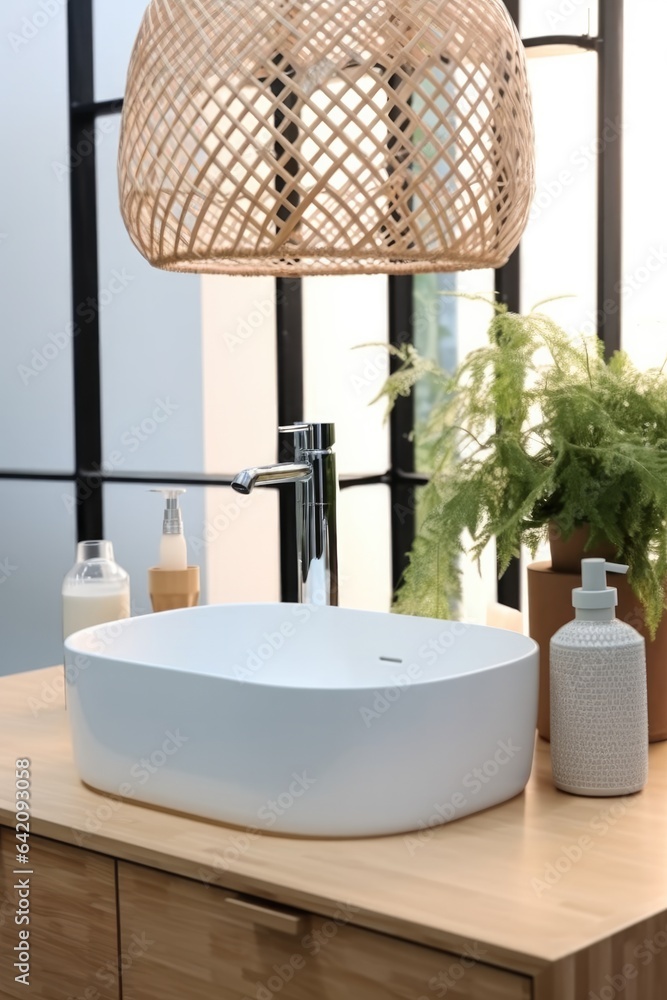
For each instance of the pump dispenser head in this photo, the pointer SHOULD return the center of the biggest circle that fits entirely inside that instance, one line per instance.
(594, 595)
(172, 522)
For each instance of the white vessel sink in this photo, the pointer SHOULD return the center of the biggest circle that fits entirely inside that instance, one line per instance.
(301, 720)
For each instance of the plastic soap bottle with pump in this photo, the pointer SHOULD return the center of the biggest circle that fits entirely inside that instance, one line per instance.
(96, 590)
(599, 718)
(173, 584)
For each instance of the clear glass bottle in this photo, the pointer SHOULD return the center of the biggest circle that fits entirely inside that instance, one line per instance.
(96, 590)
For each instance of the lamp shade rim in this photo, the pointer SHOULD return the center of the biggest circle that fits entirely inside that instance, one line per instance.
(305, 266)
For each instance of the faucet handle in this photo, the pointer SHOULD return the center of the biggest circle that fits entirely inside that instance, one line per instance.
(311, 437)
(301, 437)
(301, 434)
(293, 428)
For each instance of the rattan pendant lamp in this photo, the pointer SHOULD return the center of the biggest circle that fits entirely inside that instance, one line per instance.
(292, 137)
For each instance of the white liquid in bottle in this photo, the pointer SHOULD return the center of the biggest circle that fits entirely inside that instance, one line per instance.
(95, 609)
(96, 590)
(173, 552)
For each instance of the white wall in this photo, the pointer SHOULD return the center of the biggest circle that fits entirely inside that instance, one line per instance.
(645, 204)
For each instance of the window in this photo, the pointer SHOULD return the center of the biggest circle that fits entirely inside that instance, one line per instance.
(118, 377)
(572, 243)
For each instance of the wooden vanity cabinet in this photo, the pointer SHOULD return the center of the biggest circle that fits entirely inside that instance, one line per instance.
(73, 942)
(183, 940)
(105, 929)
(204, 943)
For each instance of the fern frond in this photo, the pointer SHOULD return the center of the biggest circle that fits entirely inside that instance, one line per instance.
(534, 428)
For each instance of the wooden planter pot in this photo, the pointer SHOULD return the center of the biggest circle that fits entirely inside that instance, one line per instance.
(550, 588)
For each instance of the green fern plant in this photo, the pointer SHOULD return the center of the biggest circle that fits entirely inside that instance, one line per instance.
(534, 429)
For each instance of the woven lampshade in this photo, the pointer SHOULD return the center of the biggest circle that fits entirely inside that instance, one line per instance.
(292, 137)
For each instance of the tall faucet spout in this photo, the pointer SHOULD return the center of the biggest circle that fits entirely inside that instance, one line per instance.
(313, 472)
(267, 475)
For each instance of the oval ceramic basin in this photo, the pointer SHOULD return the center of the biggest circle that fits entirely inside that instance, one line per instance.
(301, 720)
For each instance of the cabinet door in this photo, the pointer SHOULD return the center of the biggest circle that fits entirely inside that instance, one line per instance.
(204, 943)
(73, 942)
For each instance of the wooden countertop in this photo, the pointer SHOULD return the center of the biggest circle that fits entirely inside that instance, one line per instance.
(533, 880)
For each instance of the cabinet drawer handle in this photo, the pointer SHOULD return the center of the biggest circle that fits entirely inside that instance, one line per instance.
(266, 916)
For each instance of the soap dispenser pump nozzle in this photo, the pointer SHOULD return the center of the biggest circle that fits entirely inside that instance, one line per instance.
(594, 594)
(172, 522)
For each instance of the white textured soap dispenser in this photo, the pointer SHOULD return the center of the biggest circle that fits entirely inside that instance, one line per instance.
(599, 718)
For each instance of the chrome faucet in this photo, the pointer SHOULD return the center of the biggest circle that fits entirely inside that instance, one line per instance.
(314, 474)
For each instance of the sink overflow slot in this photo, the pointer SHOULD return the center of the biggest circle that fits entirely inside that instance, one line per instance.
(391, 659)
